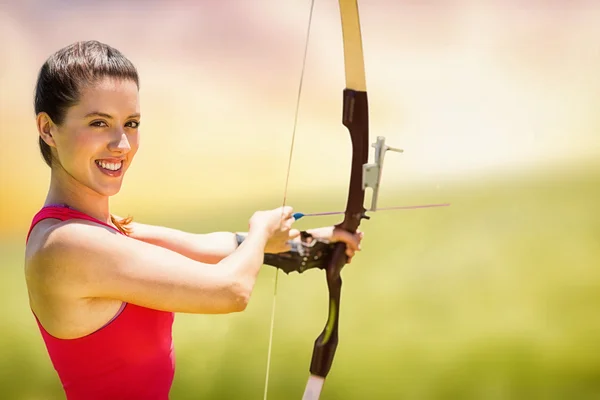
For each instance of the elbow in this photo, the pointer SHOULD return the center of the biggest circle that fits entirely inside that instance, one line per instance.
(240, 293)
(237, 284)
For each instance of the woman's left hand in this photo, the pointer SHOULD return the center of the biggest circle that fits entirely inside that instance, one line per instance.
(333, 234)
(279, 243)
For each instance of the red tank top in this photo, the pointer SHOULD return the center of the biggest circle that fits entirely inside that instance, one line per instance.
(131, 357)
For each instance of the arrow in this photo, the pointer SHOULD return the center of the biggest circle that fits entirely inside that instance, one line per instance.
(299, 215)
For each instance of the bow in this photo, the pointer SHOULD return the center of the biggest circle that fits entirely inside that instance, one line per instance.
(355, 117)
(363, 175)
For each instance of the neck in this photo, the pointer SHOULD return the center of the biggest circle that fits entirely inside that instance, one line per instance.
(64, 189)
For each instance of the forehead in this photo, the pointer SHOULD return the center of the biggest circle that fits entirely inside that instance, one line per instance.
(109, 95)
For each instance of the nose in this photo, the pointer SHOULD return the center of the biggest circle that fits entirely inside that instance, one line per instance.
(120, 143)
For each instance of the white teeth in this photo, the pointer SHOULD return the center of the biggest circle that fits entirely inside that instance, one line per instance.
(110, 166)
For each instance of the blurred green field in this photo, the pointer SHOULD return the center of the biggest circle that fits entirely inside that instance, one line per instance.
(495, 297)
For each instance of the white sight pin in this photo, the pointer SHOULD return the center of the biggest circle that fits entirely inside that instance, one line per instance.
(372, 171)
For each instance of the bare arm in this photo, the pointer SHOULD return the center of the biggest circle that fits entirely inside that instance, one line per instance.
(208, 248)
(89, 261)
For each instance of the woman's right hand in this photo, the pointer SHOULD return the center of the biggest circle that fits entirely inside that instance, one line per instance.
(272, 222)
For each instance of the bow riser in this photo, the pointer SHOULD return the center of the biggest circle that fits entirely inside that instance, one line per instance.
(356, 118)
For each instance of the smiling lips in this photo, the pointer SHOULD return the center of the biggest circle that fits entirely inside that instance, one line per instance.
(110, 167)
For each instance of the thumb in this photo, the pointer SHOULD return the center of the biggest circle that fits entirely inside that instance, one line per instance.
(293, 233)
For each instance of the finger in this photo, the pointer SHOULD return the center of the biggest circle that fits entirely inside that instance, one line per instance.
(288, 223)
(294, 233)
(289, 217)
(349, 252)
(287, 211)
(358, 237)
(348, 238)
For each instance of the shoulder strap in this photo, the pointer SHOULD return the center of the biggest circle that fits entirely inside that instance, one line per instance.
(63, 213)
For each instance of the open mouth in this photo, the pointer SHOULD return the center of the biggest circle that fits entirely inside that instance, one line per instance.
(109, 167)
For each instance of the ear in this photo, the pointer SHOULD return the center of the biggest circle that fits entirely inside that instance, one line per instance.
(46, 128)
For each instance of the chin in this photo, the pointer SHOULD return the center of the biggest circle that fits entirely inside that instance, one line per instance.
(108, 190)
(112, 192)
(107, 186)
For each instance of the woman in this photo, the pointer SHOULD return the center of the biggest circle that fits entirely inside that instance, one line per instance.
(103, 289)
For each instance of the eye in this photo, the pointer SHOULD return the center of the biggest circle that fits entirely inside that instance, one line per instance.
(98, 124)
(133, 124)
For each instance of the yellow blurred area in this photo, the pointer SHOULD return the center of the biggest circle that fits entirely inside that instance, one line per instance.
(467, 89)
(495, 105)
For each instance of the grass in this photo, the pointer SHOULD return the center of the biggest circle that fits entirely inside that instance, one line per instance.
(495, 297)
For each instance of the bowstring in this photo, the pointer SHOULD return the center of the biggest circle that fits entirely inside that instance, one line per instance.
(287, 179)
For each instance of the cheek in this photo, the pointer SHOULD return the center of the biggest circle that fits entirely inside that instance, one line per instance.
(86, 145)
(74, 147)
(134, 143)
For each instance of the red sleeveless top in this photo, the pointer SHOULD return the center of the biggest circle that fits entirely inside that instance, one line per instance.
(131, 357)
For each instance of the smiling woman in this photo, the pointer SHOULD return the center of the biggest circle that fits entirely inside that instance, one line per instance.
(72, 86)
(104, 290)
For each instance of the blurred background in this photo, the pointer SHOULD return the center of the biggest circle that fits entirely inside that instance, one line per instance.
(495, 104)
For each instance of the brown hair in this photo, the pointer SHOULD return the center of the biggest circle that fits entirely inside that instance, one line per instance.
(65, 73)
(121, 224)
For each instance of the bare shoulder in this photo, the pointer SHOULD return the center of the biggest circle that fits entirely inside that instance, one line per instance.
(57, 250)
(53, 270)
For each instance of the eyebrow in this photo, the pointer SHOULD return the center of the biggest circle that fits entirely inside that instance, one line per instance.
(107, 116)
